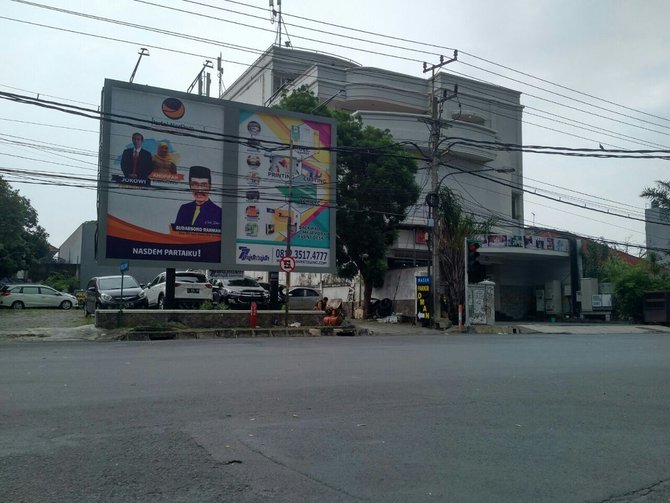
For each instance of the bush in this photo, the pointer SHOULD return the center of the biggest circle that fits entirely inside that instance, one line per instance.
(208, 305)
(62, 282)
(630, 282)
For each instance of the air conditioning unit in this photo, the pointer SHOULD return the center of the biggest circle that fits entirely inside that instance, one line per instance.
(602, 302)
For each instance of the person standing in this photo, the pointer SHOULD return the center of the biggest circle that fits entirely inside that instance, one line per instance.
(135, 161)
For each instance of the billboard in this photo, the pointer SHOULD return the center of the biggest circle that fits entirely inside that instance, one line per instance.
(190, 181)
(296, 185)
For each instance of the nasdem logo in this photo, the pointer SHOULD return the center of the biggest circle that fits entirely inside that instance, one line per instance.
(173, 108)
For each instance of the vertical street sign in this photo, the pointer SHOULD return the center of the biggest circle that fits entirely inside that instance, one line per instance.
(424, 299)
(123, 267)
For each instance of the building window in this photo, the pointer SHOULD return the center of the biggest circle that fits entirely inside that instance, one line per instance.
(516, 206)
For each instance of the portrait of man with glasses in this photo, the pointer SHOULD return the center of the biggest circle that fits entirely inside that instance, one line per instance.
(200, 215)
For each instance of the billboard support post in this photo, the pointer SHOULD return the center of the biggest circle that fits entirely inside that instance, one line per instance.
(169, 288)
(295, 131)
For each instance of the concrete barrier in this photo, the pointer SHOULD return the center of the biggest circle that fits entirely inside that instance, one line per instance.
(155, 319)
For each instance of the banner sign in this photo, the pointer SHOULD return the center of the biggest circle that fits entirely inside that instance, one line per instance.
(189, 181)
(424, 298)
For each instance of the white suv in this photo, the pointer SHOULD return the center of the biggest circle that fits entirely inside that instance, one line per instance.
(191, 289)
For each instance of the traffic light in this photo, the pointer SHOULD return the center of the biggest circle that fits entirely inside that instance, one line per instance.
(475, 269)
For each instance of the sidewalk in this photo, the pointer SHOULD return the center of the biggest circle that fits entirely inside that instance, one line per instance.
(362, 328)
(378, 327)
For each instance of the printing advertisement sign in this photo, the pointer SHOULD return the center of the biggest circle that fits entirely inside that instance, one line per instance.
(289, 193)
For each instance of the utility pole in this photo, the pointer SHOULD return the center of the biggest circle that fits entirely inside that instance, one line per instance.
(280, 21)
(219, 68)
(435, 131)
(199, 79)
(142, 52)
(295, 136)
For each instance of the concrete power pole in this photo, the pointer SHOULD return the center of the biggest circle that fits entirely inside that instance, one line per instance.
(435, 140)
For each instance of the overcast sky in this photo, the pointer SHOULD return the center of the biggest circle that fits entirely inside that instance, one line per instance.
(603, 67)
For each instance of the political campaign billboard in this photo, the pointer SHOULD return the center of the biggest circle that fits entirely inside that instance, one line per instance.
(190, 181)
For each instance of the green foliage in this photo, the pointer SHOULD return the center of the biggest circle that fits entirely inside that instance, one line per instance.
(208, 305)
(659, 195)
(22, 241)
(630, 282)
(63, 282)
(375, 189)
(595, 260)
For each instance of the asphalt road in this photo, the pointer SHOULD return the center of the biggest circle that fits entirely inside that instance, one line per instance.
(401, 419)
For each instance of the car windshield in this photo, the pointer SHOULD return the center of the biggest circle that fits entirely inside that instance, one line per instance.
(191, 278)
(242, 282)
(115, 283)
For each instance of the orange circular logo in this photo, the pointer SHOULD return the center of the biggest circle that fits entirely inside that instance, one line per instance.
(173, 108)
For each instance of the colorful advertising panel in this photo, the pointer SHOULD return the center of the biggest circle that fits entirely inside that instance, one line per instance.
(288, 192)
(190, 181)
(163, 186)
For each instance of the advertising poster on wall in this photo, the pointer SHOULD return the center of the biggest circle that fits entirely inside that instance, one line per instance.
(280, 186)
(163, 178)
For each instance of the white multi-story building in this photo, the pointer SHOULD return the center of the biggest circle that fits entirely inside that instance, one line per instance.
(402, 104)
(657, 231)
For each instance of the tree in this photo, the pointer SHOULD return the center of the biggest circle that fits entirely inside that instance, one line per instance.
(63, 282)
(630, 282)
(22, 241)
(659, 195)
(455, 227)
(375, 188)
(595, 260)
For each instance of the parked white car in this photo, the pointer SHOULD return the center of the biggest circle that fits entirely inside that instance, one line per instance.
(191, 289)
(31, 295)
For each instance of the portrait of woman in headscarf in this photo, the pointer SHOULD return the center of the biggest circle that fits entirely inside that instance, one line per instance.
(164, 162)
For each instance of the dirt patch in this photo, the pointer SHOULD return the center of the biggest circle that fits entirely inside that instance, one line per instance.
(12, 319)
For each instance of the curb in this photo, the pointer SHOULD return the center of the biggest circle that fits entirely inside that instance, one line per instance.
(235, 333)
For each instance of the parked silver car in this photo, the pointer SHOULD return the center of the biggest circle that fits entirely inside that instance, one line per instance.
(303, 298)
(18, 296)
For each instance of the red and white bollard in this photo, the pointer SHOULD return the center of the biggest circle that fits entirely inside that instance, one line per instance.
(253, 316)
(460, 317)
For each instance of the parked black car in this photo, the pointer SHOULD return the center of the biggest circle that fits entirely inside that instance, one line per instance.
(281, 290)
(104, 292)
(241, 292)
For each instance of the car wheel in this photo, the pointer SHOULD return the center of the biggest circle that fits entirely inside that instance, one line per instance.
(18, 305)
(161, 302)
(66, 304)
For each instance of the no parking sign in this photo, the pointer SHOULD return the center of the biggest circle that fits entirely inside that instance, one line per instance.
(287, 264)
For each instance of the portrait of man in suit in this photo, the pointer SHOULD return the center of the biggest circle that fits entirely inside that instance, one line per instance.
(201, 212)
(135, 161)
